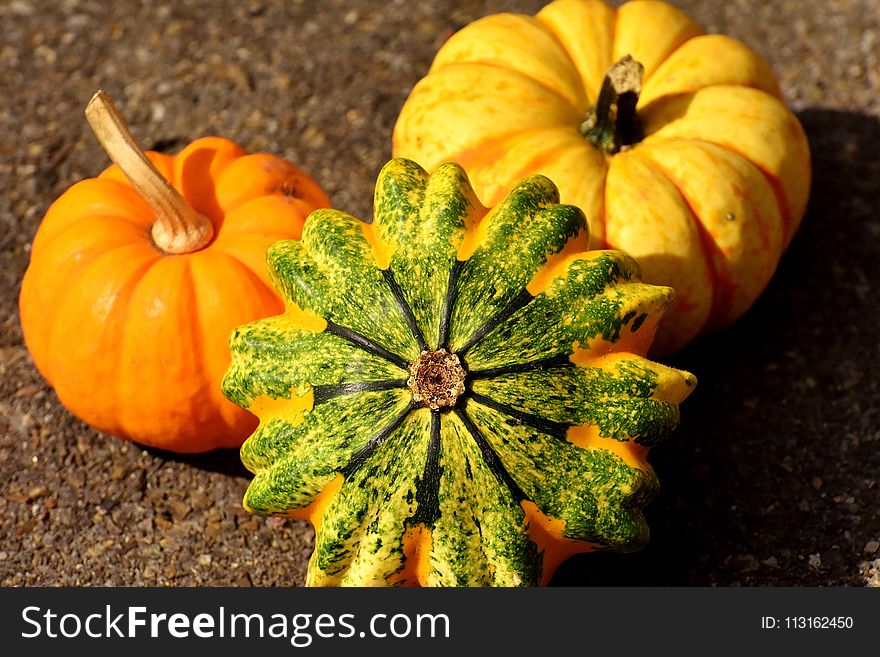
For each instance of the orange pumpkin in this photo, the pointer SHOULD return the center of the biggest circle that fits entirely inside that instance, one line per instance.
(676, 144)
(134, 284)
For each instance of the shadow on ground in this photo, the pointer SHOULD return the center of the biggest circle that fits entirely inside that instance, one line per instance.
(222, 461)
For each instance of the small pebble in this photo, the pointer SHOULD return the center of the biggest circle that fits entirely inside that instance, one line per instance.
(163, 523)
(179, 510)
(27, 391)
(37, 492)
(118, 472)
(21, 8)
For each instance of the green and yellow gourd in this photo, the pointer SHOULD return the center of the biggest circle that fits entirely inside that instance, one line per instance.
(454, 396)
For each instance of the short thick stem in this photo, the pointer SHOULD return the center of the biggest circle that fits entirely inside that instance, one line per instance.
(612, 124)
(178, 228)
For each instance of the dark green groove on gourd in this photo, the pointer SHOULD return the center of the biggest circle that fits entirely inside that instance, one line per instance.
(551, 428)
(461, 472)
(363, 454)
(365, 343)
(593, 491)
(270, 357)
(333, 273)
(423, 218)
(325, 392)
(293, 463)
(491, 458)
(598, 295)
(449, 304)
(428, 485)
(520, 301)
(480, 537)
(556, 361)
(524, 229)
(363, 525)
(404, 309)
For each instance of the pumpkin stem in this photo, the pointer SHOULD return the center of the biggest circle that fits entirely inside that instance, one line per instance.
(178, 228)
(612, 125)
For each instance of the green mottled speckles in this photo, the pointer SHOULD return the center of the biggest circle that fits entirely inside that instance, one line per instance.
(522, 232)
(598, 294)
(585, 488)
(405, 494)
(617, 398)
(480, 537)
(360, 538)
(423, 218)
(293, 462)
(332, 272)
(270, 357)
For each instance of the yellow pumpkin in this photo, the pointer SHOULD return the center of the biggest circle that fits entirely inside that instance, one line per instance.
(676, 144)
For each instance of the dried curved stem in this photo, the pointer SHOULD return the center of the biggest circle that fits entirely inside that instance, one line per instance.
(178, 228)
(613, 125)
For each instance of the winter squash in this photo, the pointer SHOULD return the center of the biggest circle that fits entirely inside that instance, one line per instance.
(137, 277)
(454, 396)
(677, 145)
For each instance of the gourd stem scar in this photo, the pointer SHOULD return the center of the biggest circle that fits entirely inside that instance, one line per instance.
(436, 379)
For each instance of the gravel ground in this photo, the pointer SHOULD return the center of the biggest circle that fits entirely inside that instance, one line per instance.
(773, 478)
